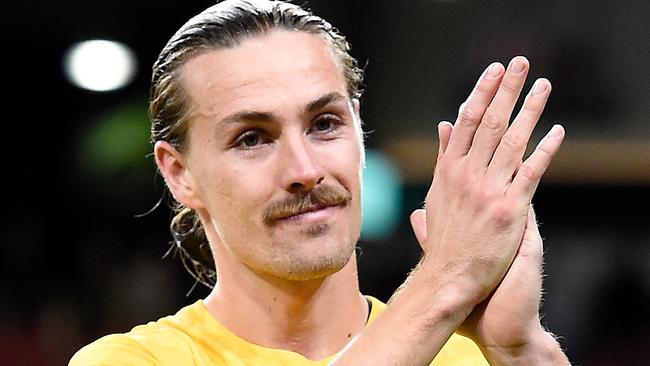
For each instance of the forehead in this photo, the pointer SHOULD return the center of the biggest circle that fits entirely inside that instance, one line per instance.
(265, 72)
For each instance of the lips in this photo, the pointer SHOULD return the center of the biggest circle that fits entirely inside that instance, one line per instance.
(312, 213)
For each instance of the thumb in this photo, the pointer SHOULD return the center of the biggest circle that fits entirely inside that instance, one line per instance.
(419, 225)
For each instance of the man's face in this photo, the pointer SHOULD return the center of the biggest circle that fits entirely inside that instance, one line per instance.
(275, 154)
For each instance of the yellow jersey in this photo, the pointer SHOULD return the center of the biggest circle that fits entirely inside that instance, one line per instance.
(194, 337)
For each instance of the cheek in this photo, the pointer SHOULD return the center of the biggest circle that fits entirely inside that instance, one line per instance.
(347, 166)
(234, 196)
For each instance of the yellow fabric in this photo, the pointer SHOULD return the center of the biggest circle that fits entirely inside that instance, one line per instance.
(193, 337)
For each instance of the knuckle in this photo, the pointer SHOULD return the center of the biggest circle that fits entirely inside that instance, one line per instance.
(492, 122)
(510, 88)
(503, 214)
(545, 151)
(512, 142)
(467, 116)
(528, 172)
(531, 107)
(485, 87)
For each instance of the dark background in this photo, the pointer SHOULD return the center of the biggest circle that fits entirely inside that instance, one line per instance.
(76, 263)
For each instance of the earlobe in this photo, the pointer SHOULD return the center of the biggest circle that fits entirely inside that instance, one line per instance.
(173, 167)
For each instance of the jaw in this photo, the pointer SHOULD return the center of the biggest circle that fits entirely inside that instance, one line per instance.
(308, 252)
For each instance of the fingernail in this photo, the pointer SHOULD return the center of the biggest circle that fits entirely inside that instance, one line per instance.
(540, 86)
(556, 130)
(495, 70)
(517, 66)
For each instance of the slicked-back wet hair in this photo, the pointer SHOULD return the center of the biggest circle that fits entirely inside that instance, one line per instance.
(224, 25)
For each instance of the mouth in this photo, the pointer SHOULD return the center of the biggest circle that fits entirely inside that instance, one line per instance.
(310, 214)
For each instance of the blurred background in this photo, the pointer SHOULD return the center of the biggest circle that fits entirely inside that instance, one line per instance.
(77, 261)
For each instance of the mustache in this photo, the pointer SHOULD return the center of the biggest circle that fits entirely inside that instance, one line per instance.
(320, 197)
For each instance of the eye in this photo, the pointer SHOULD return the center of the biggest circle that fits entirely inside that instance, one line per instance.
(248, 139)
(323, 124)
(326, 123)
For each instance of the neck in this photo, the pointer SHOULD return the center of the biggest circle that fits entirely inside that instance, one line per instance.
(315, 318)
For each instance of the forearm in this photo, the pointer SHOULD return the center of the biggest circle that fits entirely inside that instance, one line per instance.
(418, 321)
(542, 350)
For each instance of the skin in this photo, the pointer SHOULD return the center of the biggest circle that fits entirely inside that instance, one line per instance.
(481, 272)
(283, 276)
(254, 141)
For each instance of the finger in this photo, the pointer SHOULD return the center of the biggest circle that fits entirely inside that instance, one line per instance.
(419, 225)
(511, 149)
(471, 112)
(530, 172)
(497, 115)
(531, 244)
(444, 133)
(523, 282)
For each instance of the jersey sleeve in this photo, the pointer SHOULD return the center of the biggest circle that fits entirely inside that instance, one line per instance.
(114, 350)
(460, 351)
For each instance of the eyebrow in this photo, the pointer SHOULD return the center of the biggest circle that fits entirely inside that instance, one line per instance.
(323, 101)
(260, 116)
(255, 116)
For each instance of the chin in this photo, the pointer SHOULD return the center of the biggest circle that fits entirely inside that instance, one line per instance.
(317, 257)
(315, 270)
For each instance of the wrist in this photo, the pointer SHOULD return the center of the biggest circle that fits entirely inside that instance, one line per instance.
(455, 283)
(540, 349)
(419, 319)
(442, 297)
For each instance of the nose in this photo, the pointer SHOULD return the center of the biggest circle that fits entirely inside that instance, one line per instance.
(301, 171)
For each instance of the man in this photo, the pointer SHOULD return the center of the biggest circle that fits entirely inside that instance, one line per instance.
(255, 119)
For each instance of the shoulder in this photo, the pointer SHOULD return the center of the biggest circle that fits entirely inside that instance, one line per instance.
(114, 349)
(165, 341)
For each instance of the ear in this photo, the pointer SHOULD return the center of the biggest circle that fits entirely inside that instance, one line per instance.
(173, 167)
(357, 107)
